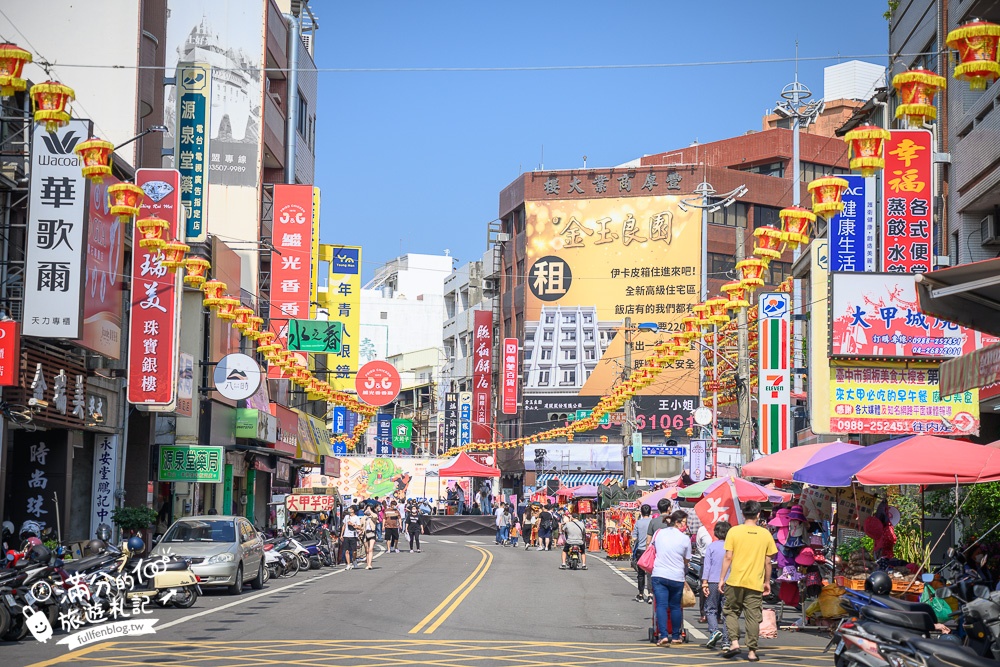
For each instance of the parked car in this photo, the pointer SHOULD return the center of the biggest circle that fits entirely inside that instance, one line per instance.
(223, 550)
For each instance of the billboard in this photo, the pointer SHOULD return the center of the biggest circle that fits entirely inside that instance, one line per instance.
(853, 230)
(402, 477)
(343, 296)
(774, 392)
(896, 400)
(105, 285)
(510, 377)
(590, 263)
(652, 413)
(907, 199)
(290, 270)
(482, 376)
(877, 315)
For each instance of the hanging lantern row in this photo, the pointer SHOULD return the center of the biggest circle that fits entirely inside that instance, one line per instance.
(976, 42)
(917, 89)
(12, 61)
(866, 145)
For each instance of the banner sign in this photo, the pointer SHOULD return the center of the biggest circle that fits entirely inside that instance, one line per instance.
(290, 271)
(774, 394)
(191, 139)
(877, 315)
(56, 233)
(450, 420)
(10, 353)
(661, 450)
(345, 286)
(699, 459)
(316, 336)
(105, 284)
(852, 231)
(309, 503)
(979, 368)
(338, 419)
(508, 389)
(402, 433)
(383, 438)
(154, 313)
(464, 418)
(102, 501)
(907, 199)
(182, 463)
(895, 400)
(482, 376)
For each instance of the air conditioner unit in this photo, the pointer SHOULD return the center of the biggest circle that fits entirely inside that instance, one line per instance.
(988, 231)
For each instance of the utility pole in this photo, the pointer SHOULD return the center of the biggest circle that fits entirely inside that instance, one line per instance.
(629, 407)
(745, 419)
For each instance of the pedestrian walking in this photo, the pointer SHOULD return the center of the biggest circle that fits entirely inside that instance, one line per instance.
(711, 573)
(745, 579)
(370, 535)
(392, 521)
(349, 535)
(515, 529)
(673, 553)
(424, 509)
(503, 526)
(546, 524)
(413, 526)
(639, 539)
(661, 520)
(380, 511)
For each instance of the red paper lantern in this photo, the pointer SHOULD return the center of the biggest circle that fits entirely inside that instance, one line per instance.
(976, 42)
(196, 268)
(769, 243)
(737, 295)
(691, 329)
(917, 89)
(718, 310)
(796, 220)
(124, 200)
(866, 145)
(225, 309)
(241, 318)
(751, 271)
(95, 154)
(12, 61)
(173, 254)
(828, 196)
(213, 290)
(51, 101)
(152, 232)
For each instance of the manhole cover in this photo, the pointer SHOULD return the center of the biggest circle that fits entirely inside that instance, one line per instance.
(613, 628)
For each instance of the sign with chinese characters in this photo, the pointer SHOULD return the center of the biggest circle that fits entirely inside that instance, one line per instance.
(895, 400)
(979, 368)
(774, 394)
(185, 384)
(450, 420)
(344, 296)
(102, 500)
(592, 262)
(377, 383)
(290, 270)
(182, 463)
(288, 429)
(907, 199)
(383, 438)
(256, 425)
(877, 315)
(316, 336)
(191, 144)
(10, 353)
(309, 503)
(464, 418)
(661, 450)
(237, 376)
(402, 433)
(482, 376)
(56, 233)
(853, 231)
(105, 284)
(41, 459)
(154, 312)
(652, 413)
(508, 388)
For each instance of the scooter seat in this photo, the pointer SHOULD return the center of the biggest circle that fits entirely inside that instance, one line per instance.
(902, 605)
(309, 543)
(948, 653)
(889, 633)
(910, 620)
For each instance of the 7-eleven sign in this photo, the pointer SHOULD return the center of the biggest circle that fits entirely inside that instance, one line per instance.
(774, 395)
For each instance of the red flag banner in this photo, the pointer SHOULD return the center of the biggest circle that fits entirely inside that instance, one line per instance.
(720, 504)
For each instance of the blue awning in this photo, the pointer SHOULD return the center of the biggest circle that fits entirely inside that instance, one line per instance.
(576, 479)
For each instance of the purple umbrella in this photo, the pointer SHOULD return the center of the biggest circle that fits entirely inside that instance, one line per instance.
(784, 464)
(840, 470)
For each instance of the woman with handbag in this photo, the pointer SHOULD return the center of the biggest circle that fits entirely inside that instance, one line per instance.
(370, 534)
(672, 547)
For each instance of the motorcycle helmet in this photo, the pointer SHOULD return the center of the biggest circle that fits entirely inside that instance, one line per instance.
(104, 532)
(8, 529)
(31, 543)
(39, 554)
(96, 547)
(136, 545)
(878, 583)
(30, 529)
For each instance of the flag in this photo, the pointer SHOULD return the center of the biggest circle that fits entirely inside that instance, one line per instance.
(720, 504)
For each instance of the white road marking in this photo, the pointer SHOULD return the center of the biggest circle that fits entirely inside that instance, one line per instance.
(693, 631)
(446, 541)
(474, 542)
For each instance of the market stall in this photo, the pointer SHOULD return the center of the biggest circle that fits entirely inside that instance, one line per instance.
(465, 466)
(618, 524)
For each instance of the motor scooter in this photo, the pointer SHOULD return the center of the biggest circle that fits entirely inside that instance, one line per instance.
(574, 557)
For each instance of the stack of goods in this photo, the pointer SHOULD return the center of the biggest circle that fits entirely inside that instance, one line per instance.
(618, 525)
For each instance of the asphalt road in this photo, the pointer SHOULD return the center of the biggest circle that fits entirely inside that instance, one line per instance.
(461, 602)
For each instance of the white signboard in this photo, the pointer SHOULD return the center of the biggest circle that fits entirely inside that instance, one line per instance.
(699, 459)
(105, 475)
(237, 376)
(54, 276)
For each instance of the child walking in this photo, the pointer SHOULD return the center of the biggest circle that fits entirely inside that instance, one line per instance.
(515, 529)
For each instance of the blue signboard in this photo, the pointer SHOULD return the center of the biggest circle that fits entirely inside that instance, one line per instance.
(350, 421)
(339, 418)
(340, 447)
(383, 434)
(852, 231)
(660, 450)
(465, 418)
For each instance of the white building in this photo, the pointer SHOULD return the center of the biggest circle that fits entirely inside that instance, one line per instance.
(853, 80)
(563, 348)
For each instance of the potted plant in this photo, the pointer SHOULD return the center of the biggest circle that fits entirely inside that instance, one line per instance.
(133, 520)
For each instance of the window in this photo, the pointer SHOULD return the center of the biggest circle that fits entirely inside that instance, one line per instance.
(588, 335)
(548, 335)
(568, 376)
(543, 378)
(721, 265)
(588, 318)
(953, 250)
(730, 216)
(550, 318)
(520, 274)
(569, 334)
(778, 271)
(529, 336)
(811, 171)
(303, 117)
(383, 315)
(545, 354)
(569, 355)
(766, 216)
(776, 169)
(527, 353)
(569, 318)
(590, 354)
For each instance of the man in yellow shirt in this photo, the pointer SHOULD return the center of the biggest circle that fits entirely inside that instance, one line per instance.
(746, 579)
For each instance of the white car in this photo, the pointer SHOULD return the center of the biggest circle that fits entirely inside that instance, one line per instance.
(223, 550)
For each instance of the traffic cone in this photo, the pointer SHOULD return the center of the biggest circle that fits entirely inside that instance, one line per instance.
(595, 543)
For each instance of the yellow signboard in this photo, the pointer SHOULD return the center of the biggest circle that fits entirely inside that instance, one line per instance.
(343, 301)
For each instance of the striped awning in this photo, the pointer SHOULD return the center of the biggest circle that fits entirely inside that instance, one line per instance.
(576, 479)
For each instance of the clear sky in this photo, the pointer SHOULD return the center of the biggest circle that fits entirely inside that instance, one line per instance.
(414, 161)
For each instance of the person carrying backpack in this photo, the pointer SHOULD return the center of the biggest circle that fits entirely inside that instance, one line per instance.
(546, 525)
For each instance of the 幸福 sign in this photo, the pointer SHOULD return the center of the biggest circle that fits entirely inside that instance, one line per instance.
(183, 463)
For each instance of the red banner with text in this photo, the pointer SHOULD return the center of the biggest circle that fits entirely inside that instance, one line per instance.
(292, 236)
(508, 388)
(482, 375)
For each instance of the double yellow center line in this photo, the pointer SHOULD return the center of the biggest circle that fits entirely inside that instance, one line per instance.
(450, 604)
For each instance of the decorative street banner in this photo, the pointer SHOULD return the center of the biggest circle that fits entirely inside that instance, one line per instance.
(482, 376)
(191, 144)
(896, 400)
(450, 420)
(877, 315)
(56, 235)
(102, 303)
(774, 394)
(316, 336)
(699, 459)
(102, 501)
(290, 278)
(508, 388)
(344, 288)
(907, 196)
(181, 463)
(464, 418)
(853, 231)
(154, 312)
(383, 437)
(402, 433)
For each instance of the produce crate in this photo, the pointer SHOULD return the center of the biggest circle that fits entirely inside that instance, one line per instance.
(898, 585)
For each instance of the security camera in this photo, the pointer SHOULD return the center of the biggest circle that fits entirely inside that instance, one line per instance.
(38, 403)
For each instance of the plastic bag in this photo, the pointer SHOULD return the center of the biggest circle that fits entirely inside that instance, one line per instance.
(688, 599)
(942, 610)
(769, 624)
(829, 601)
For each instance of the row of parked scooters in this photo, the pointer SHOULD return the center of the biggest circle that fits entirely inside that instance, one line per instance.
(887, 632)
(285, 555)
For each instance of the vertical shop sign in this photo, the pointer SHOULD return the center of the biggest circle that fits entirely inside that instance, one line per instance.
(105, 480)
(104, 286)
(907, 197)
(194, 106)
(57, 225)
(450, 419)
(852, 231)
(402, 433)
(774, 393)
(508, 390)
(344, 295)
(10, 354)
(383, 439)
(482, 375)
(338, 418)
(154, 303)
(464, 418)
(185, 384)
(290, 271)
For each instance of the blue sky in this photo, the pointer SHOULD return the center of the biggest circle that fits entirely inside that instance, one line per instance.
(415, 161)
